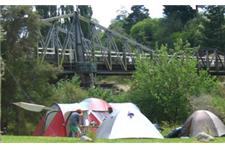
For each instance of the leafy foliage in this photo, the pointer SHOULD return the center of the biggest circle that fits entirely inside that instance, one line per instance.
(139, 13)
(46, 11)
(163, 87)
(163, 84)
(144, 31)
(192, 32)
(182, 13)
(25, 78)
(101, 93)
(85, 11)
(68, 91)
(214, 31)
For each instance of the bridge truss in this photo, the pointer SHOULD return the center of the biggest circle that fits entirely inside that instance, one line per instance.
(99, 50)
(65, 44)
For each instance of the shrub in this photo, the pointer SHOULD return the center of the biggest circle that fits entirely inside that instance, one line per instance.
(98, 92)
(162, 84)
(67, 91)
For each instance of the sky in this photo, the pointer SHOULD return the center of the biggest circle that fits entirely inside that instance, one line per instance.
(106, 10)
(104, 14)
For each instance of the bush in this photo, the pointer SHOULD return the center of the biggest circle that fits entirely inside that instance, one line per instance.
(163, 84)
(98, 92)
(68, 91)
(218, 104)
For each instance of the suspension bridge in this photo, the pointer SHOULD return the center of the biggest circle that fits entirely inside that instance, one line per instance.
(101, 51)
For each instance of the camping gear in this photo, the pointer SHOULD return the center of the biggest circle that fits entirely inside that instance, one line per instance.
(174, 133)
(127, 123)
(32, 107)
(86, 138)
(54, 123)
(203, 137)
(95, 104)
(120, 106)
(97, 111)
(203, 121)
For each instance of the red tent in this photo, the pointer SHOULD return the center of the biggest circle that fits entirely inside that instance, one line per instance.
(95, 104)
(97, 110)
(56, 121)
(53, 123)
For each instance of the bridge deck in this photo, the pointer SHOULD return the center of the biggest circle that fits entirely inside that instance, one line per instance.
(114, 54)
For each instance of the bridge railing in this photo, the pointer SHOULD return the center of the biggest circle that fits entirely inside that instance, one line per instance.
(59, 44)
(212, 60)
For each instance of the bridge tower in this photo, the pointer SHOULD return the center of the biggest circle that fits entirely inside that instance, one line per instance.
(84, 68)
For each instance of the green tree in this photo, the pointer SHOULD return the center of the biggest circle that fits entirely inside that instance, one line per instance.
(1, 72)
(25, 78)
(117, 24)
(139, 13)
(43, 11)
(144, 31)
(46, 11)
(182, 13)
(214, 27)
(122, 14)
(66, 9)
(173, 23)
(1, 33)
(162, 85)
(85, 11)
(192, 32)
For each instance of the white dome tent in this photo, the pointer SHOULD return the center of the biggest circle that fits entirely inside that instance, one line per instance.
(127, 122)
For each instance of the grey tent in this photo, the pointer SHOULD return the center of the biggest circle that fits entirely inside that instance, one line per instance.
(203, 121)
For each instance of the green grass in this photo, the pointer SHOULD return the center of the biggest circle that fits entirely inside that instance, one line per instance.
(39, 139)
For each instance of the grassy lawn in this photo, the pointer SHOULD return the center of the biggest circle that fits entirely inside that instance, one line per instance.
(36, 139)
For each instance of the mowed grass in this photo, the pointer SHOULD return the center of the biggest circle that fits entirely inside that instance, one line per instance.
(41, 139)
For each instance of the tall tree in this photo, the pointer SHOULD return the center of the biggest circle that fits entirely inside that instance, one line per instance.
(85, 11)
(1, 73)
(46, 11)
(139, 12)
(122, 14)
(66, 9)
(144, 31)
(174, 21)
(183, 13)
(117, 24)
(214, 27)
(25, 78)
(192, 32)
(43, 11)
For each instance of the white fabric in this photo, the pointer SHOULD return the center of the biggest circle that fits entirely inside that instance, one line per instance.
(68, 108)
(218, 123)
(121, 125)
(120, 106)
(32, 107)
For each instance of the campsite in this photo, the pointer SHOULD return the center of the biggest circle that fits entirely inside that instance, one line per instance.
(116, 127)
(66, 78)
